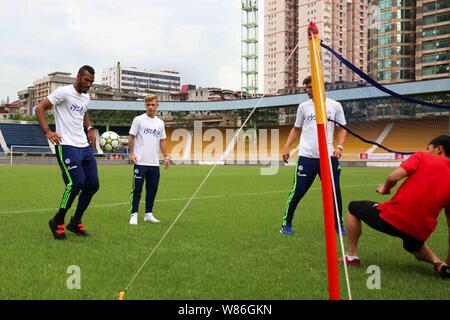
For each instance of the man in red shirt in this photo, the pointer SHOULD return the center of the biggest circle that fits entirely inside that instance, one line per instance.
(412, 213)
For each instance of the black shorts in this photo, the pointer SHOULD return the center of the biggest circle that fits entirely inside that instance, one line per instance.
(367, 211)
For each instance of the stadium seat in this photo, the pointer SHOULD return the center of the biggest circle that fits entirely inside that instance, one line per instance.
(414, 134)
(24, 135)
(401, 135)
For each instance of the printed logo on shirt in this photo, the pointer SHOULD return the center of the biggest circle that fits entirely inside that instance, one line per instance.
(136, 171)
(71, 167)
(67, 161)
(312, 117)
(154, 132)
(76, 108)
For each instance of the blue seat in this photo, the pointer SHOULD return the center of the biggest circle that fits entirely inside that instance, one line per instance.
(23, 135)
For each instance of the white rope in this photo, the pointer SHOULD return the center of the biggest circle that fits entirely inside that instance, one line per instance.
(232, 142)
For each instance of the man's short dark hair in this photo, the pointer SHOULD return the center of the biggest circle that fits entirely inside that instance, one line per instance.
(86, 68)
(444, 142)
(307, 80)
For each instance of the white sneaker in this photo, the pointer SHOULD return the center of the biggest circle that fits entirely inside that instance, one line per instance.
(134, 218)
(149, 217)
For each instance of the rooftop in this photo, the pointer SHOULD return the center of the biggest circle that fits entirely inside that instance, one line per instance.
(361, 93)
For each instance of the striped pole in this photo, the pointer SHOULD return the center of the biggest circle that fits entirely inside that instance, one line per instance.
(325, 171)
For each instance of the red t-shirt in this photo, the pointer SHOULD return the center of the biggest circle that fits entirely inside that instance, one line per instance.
(425, 192)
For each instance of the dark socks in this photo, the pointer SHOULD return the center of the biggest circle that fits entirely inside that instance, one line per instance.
(77, 216)
(60, 216)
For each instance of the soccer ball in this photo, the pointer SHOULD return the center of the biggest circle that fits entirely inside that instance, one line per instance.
(109, 141)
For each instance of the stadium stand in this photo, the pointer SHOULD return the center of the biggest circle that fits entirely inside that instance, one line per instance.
(244, 150)
(410, 135)
(405, 135)
(23, 135)
(370, 130)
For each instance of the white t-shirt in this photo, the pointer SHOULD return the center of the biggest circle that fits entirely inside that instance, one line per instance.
(70, 107)
(148, 132)
(306, 119)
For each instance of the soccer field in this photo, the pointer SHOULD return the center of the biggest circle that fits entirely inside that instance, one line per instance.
(226, 245)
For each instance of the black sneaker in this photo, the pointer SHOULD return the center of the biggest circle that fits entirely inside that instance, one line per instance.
(77, 228)
(442, 270)
(57, 230)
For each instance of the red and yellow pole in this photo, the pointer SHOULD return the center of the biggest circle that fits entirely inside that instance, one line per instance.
(325, 170)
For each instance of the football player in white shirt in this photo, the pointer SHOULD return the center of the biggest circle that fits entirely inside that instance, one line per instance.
(308, 165)
(146, 138)
(74, 152)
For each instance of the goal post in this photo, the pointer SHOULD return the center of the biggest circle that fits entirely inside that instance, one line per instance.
(27, 151)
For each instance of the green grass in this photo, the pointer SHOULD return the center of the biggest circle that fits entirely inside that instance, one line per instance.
(226, 245)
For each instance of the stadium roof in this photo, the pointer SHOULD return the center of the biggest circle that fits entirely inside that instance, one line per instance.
(369, 92)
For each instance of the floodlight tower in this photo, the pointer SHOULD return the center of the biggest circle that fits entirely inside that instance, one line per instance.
(249, 47)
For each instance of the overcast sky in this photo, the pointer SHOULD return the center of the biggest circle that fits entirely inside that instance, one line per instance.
(198, 38)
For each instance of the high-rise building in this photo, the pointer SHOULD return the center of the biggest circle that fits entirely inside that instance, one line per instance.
(357, 37)
(141, 81)
(280, 38)
(432, 39)
(392, 40)
(409, 40)
(342, 25)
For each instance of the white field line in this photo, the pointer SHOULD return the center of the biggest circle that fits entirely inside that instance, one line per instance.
(50, 210)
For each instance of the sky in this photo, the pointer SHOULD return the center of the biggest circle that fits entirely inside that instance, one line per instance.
(199, 38)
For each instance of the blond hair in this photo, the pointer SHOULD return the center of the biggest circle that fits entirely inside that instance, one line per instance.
(151, 97)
